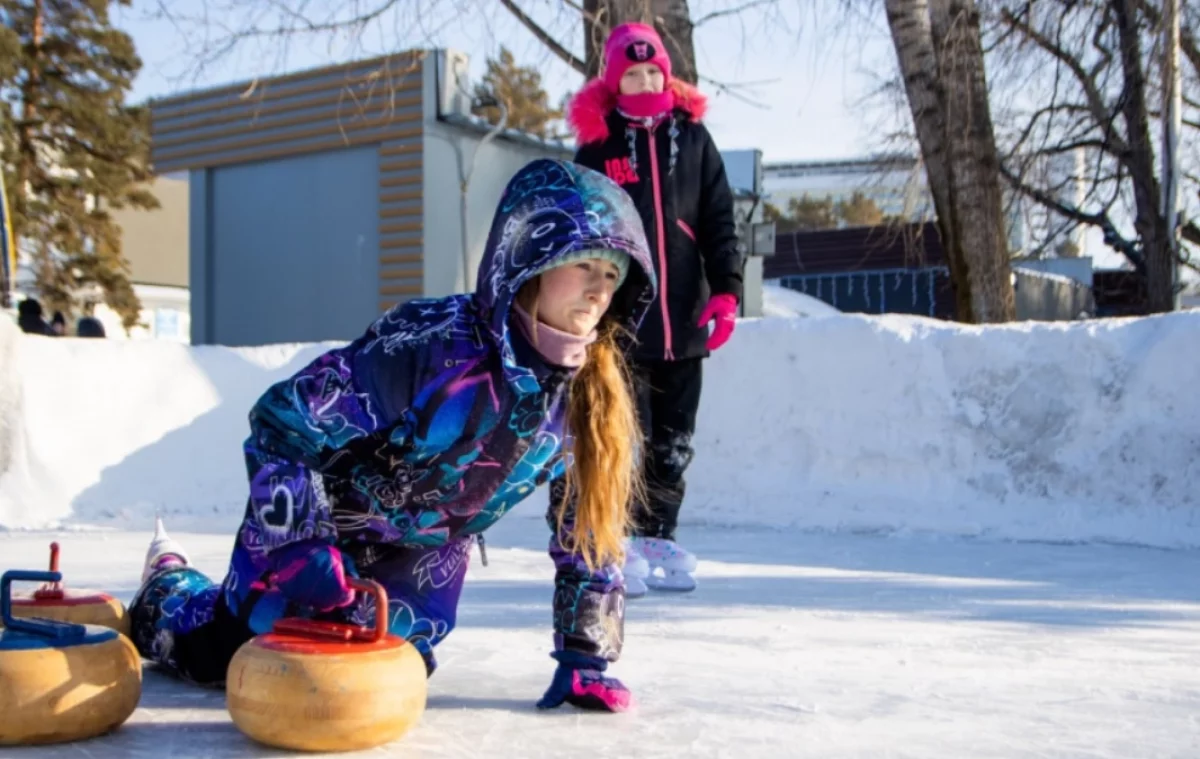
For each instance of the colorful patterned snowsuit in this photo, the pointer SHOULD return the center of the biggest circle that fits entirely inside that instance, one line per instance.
(402, 446)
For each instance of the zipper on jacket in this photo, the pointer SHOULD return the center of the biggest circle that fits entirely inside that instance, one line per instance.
(668, 353)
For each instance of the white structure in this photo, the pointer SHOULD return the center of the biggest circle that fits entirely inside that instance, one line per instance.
(896, 183)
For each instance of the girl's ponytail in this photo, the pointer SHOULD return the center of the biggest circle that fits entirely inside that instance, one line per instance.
(605, 480)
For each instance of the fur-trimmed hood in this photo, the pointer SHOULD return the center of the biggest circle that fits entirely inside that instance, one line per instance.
(588, 111)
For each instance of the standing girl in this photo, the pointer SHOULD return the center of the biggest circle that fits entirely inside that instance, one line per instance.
(386, 458)
(642, 128)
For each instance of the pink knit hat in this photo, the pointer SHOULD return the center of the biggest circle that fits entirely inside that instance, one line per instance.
(629, 45)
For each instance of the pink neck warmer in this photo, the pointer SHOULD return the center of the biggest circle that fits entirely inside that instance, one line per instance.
(647, 104)
(557, 347)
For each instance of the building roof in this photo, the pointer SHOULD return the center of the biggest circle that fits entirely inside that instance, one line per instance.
(868, 165)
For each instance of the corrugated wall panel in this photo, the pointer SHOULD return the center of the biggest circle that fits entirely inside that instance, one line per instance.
(401, 225)
(254, 131)
(341, 106)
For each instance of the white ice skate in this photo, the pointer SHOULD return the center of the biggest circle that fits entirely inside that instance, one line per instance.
(670, 580)
(671, 565)
(636, 570)
(164, 552)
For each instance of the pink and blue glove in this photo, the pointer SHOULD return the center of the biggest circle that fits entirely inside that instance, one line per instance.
(580, 681)
(312, 573)
(723, 309)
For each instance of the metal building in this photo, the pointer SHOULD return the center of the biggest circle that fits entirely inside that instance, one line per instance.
(321, 198)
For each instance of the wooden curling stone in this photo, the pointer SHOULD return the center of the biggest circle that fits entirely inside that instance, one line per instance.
(321, 686)
(61, 682)
(83, 607)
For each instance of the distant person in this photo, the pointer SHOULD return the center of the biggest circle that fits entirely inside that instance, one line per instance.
(29, 318)
(58, 325)
(89, 326)
(642, 127)
(389, 457)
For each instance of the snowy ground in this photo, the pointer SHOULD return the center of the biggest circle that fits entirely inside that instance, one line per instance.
(796, 645)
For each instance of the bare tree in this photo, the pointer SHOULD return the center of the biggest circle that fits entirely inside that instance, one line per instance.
(672, 19)
(939, 49)
(1092, 84)
(216, 30)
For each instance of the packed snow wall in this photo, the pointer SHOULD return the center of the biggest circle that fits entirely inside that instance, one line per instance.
(1068, 431)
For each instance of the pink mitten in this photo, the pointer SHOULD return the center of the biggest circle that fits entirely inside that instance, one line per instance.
(722, 308)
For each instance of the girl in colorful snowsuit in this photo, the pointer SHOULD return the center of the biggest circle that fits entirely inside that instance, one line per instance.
(387, 458)
(642, 128)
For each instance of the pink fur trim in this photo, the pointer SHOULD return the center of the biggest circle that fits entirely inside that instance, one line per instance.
(691, 100)
(588, 110)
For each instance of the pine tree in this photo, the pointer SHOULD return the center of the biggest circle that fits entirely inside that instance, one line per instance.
(72, 148)
(810, 213)
(859, 211)
(520, 89)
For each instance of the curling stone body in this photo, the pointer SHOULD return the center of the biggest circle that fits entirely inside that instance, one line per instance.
(62, 682)
(78, 606)
(326, 687)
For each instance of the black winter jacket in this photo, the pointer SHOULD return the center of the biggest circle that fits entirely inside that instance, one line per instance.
(676, 177)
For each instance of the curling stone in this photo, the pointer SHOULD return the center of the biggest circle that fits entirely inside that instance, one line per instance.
(322, 686)
(53, 601)
(61, 681)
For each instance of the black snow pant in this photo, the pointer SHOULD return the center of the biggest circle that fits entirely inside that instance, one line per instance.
(668, 397)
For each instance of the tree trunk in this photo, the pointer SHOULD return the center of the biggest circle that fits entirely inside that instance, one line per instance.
(974, 166)
(26, 152)
(912, 37)
(672, 19)
(1148, 221)
(942, 66)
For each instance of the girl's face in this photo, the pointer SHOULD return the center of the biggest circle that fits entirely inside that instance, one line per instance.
(574, 297)
(642, 78)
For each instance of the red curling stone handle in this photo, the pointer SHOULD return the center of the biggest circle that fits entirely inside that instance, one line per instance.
(51, 591)
(310, 628)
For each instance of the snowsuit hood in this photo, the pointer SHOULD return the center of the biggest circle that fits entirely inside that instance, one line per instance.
(549, 210)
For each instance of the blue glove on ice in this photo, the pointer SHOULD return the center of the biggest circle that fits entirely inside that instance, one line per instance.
(312, 573)
(580, 681)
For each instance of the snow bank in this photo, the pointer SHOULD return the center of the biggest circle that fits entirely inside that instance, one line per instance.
(1070, 431)
(112, 430)
(1065, 431)
(782, 301)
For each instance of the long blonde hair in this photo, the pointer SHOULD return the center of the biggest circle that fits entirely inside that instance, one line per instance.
(604, 480)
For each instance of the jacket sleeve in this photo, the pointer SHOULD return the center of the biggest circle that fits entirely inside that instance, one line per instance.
(718, 232)
(589, 606)
(330, 419)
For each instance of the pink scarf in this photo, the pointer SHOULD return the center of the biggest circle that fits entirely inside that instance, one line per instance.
(646, 104)
(557, 347)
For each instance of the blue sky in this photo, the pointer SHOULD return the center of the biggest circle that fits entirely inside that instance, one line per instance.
(814, 66)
